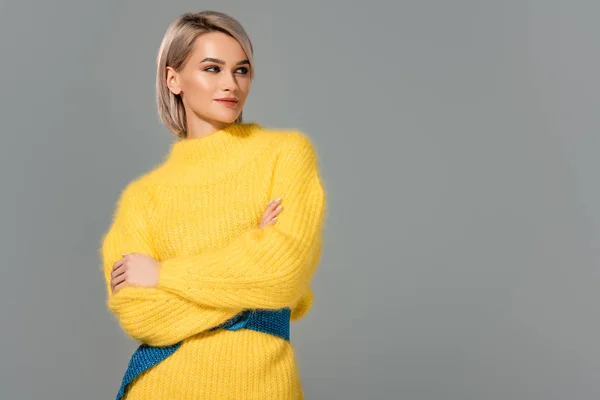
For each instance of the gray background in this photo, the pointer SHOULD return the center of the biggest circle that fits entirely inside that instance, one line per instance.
(459, 145)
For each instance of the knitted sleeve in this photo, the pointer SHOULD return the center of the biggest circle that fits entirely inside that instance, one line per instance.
(150, 315)
(266, 268)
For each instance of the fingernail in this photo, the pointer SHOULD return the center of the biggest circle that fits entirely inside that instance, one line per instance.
(274, 218)
(277, 200)
(271, 202)
(278, 208)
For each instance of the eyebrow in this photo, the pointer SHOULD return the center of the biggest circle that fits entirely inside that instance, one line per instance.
(217, 61)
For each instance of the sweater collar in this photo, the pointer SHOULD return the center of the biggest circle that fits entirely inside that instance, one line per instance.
(211, 158)
(218, 146)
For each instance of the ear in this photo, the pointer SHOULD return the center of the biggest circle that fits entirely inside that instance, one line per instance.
(173, 81)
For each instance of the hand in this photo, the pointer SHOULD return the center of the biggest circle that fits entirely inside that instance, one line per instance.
(271, 213)
(134, 269)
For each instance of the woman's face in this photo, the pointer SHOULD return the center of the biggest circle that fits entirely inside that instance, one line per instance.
(215, 80)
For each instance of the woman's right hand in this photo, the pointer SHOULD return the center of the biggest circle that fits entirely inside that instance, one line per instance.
(272, 211)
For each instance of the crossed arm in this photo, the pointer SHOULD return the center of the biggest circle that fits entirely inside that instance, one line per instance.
(273, 264)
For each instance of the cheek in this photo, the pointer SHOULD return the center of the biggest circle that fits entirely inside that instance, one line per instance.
(199, 88)
(245, 84)
(244, 87)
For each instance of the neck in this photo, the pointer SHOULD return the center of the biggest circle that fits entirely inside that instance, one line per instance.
(199, 128)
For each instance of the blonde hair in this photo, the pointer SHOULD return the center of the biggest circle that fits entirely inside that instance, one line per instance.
(175, 49)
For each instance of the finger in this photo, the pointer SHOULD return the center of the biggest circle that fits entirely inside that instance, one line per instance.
(265, 216)
(273, 214)
(264, 222)
(120, 283)
(270, 221)
(266, 219)
(118, 264)
(117, 280)
(120, 286)
(114, 284)
(272, 210)
(272, 205)
(120, 270)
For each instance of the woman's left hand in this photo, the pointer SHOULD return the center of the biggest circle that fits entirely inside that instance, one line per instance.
(134, 269)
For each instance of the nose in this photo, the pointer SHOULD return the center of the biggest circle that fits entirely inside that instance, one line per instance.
(228, 82)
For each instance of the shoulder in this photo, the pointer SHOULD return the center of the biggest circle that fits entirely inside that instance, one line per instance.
(289, 137)
(136, 191)
(291, 142)
(294, 151)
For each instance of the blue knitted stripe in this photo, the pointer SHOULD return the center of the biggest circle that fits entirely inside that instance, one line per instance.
(143, 358)
(273, 322)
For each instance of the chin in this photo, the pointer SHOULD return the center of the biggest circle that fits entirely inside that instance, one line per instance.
(228, 118)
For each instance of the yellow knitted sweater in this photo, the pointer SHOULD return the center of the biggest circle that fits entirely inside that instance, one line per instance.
(198, 213)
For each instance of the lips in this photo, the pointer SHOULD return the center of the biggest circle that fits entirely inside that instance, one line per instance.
(228, 102)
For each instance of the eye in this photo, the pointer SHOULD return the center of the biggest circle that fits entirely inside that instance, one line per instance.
(213, 68)
(243, 70)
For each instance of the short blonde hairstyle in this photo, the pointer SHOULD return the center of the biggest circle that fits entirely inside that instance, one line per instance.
(175, 49)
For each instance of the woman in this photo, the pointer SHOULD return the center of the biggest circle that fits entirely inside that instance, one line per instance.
(210, 254)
